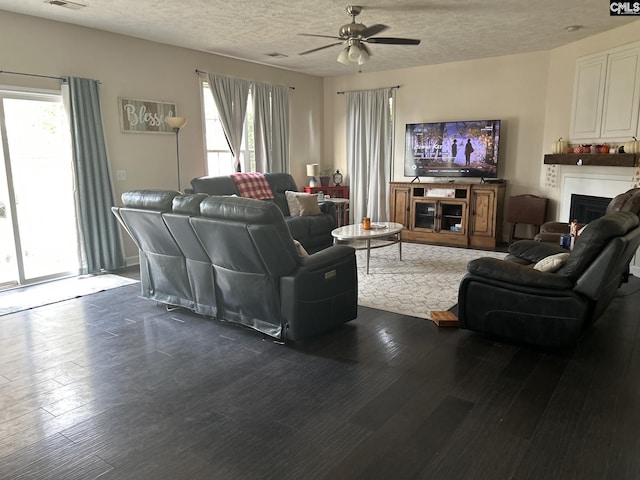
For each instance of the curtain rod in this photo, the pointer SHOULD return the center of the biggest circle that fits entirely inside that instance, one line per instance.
(342, 93)
(31, 75)
(198, 72)
(62, 79)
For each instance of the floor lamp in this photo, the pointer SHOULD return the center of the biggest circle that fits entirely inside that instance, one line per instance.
(177, 123)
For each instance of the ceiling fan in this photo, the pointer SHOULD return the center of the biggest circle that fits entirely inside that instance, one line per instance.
(354, 37)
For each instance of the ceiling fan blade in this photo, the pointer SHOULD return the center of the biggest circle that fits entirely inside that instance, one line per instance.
(321, 36)
(320, 48)
(373, 30)
(393, 41)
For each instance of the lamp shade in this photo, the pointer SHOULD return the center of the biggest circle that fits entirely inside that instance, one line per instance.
(313, 169)
(354, 53)
(176, 122)
(344, 56)
(364, 57)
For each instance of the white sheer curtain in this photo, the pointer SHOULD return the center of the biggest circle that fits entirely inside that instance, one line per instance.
(271, 127)
(369, 143)
(230, 95)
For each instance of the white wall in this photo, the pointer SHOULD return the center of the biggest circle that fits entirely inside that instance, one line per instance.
(133, 68)
(509, 88)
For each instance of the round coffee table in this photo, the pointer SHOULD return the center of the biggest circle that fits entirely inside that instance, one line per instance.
(390, 230)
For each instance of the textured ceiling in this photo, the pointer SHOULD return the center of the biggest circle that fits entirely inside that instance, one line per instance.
(450, 30)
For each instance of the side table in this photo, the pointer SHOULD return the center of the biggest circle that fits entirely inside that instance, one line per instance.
(336, 191)
(342, 210)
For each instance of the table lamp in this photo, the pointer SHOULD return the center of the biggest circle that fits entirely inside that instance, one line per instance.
(313, 169)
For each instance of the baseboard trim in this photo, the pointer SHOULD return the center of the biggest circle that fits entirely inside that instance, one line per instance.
(129, 261)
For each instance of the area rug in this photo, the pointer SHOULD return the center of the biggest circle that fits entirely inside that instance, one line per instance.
(25, 298)
(426, 279)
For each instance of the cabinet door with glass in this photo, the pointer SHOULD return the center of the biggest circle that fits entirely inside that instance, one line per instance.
(440, 216)
(452, 217)
(425, 215)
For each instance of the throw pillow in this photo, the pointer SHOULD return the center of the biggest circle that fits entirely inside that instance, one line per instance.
(296, 201)
(308, 205)
(292, 202)
(551, 263)
(300, 249)
(582, 229)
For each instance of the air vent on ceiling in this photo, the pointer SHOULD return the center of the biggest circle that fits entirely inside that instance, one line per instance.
(65, 4)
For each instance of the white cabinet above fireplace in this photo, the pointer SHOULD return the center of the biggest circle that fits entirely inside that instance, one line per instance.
(606, 96)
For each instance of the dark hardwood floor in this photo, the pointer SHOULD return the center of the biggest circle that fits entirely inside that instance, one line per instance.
(113, 386)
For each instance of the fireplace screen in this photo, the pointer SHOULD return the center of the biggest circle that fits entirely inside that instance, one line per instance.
(586, 208)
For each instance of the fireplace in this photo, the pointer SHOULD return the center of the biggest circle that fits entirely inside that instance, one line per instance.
(586, 208)
(589, 182)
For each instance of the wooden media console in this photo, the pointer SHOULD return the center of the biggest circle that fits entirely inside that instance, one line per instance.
(464, 214)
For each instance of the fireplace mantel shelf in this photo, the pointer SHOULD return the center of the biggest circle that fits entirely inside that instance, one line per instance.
(597, 159)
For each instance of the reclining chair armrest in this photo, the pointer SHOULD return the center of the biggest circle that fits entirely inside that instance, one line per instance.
(534, 251)
(321, 293)
(328, 207)
(554, 227)
(548, 237)
(327, 257)
(515, 274)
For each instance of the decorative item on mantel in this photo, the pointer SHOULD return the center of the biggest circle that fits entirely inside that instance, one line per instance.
(590, 148)
(561, 146)
(632, 146)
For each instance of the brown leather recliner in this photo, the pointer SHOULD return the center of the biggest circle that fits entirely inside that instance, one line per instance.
(628, 201)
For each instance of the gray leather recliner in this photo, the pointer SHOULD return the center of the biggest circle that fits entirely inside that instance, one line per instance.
(509, 299)
(628, 201)
(163, 271)
(314, 231)
(234, 259)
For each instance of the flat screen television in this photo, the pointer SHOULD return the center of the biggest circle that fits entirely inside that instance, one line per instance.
(452, 149)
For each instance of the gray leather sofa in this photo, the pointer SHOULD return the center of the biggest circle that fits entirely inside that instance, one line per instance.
(234, 259)
(511, 300)
(314, 232)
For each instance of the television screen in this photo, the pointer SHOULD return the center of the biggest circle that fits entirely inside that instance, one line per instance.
(452, 149)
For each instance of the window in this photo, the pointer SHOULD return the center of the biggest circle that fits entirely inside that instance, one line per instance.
(219, 158)
(36, 151)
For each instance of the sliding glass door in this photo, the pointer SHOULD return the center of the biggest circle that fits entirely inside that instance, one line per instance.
(37, 209)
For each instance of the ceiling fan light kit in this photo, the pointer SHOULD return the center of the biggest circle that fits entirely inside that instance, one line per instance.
(353, 37)
(344, 56)
(364, 56)
(355, 52)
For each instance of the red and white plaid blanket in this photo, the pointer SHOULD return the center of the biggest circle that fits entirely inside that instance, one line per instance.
(252, 185)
